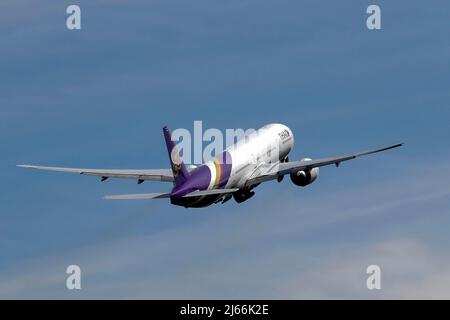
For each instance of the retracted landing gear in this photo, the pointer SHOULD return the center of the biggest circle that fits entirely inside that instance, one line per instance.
(280, 178)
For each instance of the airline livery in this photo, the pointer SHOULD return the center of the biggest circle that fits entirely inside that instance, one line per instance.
(259, 157)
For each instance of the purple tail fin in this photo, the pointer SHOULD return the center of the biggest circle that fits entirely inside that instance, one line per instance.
(179, 170)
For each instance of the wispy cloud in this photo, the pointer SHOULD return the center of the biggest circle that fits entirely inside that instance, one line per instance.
(316, 247)
(409, 270)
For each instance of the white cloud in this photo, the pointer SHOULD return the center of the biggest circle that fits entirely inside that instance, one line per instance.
(409, 270)
(317, 246)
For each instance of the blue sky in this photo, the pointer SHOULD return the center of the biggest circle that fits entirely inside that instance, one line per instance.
(99, 97)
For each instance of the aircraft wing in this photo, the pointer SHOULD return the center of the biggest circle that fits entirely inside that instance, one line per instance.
(140, 175)
(273, 171)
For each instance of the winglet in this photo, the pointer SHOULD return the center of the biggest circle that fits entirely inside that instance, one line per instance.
(180, 173)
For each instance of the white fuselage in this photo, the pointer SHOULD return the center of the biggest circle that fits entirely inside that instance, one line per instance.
(236, 165)
(269, 144)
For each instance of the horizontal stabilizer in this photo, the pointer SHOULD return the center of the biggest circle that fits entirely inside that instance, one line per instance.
(142, 196)
(210, 192)
(160, 195)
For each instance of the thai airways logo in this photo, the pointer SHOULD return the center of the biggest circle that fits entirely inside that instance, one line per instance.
(284, 135)
(176, 161)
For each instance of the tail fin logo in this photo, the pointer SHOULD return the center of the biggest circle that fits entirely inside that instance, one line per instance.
(176, 161)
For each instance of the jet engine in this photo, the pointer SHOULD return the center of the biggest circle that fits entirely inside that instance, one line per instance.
(244, 194)
(304, 177)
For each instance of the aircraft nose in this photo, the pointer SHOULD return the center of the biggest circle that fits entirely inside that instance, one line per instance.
(290, 132)
(290, 144)
(285, 127)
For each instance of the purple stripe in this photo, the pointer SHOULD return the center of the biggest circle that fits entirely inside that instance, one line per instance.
(198, 180)
(200, 177)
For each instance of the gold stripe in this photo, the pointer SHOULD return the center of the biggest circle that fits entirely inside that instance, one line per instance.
(218, 173)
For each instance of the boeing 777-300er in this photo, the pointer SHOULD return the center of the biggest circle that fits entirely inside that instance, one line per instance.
(260, 156)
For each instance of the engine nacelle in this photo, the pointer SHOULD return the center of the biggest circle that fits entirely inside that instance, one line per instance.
(244, 194)
(304, 177)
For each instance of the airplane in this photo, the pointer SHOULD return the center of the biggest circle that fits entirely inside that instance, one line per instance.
(259, 157)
